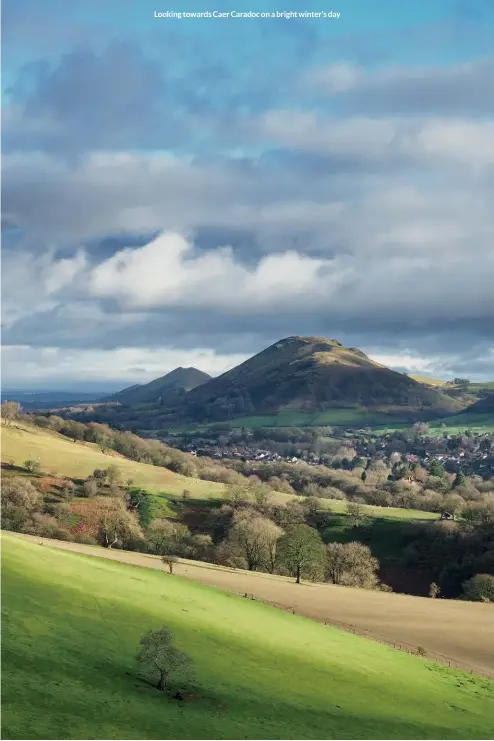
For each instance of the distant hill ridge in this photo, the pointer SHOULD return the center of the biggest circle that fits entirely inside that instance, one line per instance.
(310, 374)
(177, 382)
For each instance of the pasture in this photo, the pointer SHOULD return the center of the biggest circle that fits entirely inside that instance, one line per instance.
(71, 625)
(61, 456)
(460, 631)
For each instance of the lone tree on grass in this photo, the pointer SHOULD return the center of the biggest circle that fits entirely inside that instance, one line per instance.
(169, 561)
(301, 550)
(356, 511)
(157, 651)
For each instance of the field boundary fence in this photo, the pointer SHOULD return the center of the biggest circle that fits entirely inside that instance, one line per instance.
(400, 645)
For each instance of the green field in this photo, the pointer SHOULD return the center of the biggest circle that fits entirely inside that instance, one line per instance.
(452, 425)
(71, 625)
(59, 455)
(449, 425)
(353, 418)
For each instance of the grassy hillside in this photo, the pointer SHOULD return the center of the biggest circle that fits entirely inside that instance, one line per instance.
(71, 625)
(308, 374)
(427, 380)
(61, 456)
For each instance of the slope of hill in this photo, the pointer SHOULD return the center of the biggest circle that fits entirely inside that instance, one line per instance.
(60, 456)
(483, 406)
(427, 380)
(72, 624)
(178, 381)
(464, 394)
(308, 374)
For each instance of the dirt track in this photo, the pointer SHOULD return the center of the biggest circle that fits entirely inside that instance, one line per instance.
(462, 632)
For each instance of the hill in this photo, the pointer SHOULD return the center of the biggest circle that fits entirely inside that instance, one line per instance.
(308, 375)
(72, 624)
(483, 406)
(162, 389)
(58, 455)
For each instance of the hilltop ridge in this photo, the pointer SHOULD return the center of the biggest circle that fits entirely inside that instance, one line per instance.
(309, 374)
(178, 381)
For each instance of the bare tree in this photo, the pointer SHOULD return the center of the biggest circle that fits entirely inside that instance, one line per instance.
(20, 501)
(351, 564)
(116, 524)
(237, 495)
(434, 590)
(336, 562)
(453, 504)
(157, 651)
(90, 487)
(113, 476)
(261, 494)
(356, 511)
(9, 411)
(254, 537)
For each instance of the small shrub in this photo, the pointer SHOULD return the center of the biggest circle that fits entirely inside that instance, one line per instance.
(61, 533)
(32, 466)
(385, 588)
(421, 651)
(85, 539)
(236, 562)
(90, 488)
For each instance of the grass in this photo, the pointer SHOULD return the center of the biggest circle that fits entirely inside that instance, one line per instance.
(59, 455)
(387, 513)
(448, 425)
(427, 380)
(71, 625)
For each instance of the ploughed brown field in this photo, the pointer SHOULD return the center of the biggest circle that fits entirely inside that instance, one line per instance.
(462, 632)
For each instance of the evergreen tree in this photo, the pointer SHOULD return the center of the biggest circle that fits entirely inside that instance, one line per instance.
(460, 480)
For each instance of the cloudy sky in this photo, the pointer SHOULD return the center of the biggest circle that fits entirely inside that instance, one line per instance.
(188, 191)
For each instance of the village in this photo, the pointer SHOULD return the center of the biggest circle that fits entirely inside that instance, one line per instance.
(471, 453)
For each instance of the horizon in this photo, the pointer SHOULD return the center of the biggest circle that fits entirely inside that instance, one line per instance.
(182, 192)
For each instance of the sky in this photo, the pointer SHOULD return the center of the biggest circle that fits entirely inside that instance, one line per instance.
(187, 191)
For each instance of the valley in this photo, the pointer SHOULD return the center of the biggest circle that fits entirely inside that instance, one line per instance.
(86, 615)
(352, 543)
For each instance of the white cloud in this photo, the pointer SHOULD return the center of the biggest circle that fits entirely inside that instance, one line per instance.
(170, 272)
(389, 141)
(24, 365)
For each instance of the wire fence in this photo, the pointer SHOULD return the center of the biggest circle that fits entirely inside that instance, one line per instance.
(410, 648)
